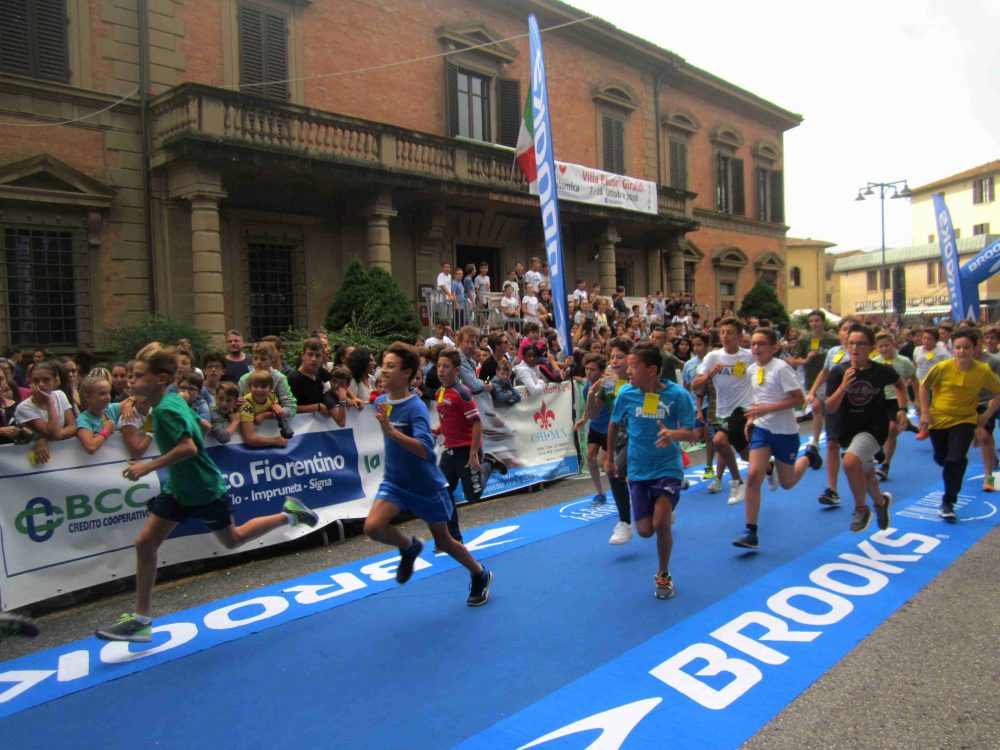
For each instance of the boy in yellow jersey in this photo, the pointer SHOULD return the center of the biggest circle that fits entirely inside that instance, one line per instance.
(951, 416)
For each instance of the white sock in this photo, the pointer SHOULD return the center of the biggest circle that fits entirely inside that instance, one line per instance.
(142, 619)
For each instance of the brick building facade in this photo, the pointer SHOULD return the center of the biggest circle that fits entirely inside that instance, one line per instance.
(281, 138)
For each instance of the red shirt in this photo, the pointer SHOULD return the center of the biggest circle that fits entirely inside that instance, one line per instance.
(457, 413)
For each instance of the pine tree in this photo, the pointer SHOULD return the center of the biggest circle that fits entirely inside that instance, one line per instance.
(350, 298)
(762, 302)
(371, 305)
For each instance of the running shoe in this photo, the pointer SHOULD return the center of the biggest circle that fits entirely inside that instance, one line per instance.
(127, 629)
(664, 586)
(815, 460)
(748, 540)
(861, 518)
(407, 558)
(622, 533)
(715, 486)
(772, 475)
(12, 624)
(988, 483)
(829, 497)
(737, 491)
(948, 512)
(495, 463)
(882, 472)
(299, 512)
(599, 499)
(882, 511)
(479, 589)
(709, 473)
(922, 434)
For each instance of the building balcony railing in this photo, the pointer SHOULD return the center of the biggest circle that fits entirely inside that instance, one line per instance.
(205, 113)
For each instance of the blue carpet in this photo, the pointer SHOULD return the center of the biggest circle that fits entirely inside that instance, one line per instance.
(572, 630)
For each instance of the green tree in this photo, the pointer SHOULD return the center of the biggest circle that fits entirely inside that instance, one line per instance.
(370, 309)
(762, 302)
(127, 340)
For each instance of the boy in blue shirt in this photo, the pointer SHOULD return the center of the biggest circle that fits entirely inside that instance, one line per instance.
(412, 479)
(660, 413)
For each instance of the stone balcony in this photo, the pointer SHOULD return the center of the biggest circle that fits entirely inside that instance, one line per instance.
(194, 112)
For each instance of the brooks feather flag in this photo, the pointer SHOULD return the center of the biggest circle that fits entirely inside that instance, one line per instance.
(524, 153)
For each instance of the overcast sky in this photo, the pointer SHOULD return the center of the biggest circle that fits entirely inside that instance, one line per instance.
(888, 89)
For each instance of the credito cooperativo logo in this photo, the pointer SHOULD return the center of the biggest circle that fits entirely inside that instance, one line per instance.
(42, 516)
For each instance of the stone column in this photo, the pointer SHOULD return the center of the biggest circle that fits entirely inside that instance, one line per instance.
(675, 268)
(206, 257)
(606, 260)
(379, 247)
(654, 278)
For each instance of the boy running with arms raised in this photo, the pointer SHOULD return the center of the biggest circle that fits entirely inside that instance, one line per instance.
(194, 487)
(659, 415)
(412, 479)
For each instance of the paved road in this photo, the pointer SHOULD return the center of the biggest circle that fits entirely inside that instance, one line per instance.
(929, 677)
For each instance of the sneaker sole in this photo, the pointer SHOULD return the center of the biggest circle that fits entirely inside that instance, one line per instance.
(745, 545)
(104, 635)
(405, 570)
(663, 597)
(828, 501)
(734, 501)
(619, 543)
(486, 591)
(865, 527)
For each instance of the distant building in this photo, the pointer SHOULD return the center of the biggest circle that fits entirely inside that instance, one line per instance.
(809, 274)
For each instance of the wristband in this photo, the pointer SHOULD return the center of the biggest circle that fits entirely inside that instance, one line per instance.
(104, 433)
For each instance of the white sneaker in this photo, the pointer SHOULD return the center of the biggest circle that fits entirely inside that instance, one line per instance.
(737, 491)
(772, 477)
(715, 486)
(622, 535)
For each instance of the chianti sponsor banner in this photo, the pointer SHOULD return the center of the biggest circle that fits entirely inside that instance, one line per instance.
(71, 523)
(585, 185)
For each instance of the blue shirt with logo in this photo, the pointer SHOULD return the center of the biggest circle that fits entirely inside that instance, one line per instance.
(403, 469)
(671, 405)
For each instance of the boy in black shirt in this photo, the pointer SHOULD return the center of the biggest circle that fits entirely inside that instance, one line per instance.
(856, 393)
(307, 384)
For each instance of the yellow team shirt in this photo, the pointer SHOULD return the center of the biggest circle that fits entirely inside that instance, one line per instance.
(956, 392)
(251, 408)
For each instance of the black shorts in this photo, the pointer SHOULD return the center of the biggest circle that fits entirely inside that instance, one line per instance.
(215, 514)
(735, 430)
(891, 409)
(597, 438)
(991, 423)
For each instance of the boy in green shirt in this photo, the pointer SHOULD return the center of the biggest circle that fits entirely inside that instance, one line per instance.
(194, 487)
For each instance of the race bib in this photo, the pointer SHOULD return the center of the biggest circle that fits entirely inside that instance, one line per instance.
(739, 369)
(929, 356)
(814, 345)
(619, 384)
(838, 356)
(388, 409)
(760, 377)
(650, 403)
(440, 395)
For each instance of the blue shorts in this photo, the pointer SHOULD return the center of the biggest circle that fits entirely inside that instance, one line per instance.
(645, 492)
(784, 448)
(430, 508)
(215, 514)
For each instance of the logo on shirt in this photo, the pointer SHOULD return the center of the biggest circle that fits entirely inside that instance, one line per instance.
(861, 393)
(544, 417)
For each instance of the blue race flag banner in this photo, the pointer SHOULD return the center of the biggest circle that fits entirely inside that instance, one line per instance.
(975, 272)
(548, 201)
(949, 257)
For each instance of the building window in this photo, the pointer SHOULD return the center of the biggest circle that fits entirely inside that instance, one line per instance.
(729, 185)
(678, 163)
(958, 232)
(872, 281)
(795, 276)
(930, 239)
(982, 190)
(932, 274)
(770, 201)
(263, 52)
(33, 39)
(469, 105)
(46, 285)
(690, 270)
(887, 278)
(613, 141)
(271, 281)
(978, 229)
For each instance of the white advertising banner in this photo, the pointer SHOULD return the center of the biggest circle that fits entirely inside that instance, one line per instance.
(71, 523)
(585, 185)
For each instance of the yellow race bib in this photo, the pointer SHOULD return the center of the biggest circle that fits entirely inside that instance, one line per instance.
(739, 369)
(440, 395)
(760, 376)
(838, 356)
(929, 356)
(388, 409)
(650, 403)
(814, 345)
(619, 384)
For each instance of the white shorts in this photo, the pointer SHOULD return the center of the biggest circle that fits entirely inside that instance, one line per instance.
(864, 447)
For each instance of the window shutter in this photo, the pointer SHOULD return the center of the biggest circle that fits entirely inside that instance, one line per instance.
(614, 144)
(251, 49)
(451, 98)
(989, 190)
(50, 40)
(275, 56)
(678, 165)
(977, 191)
(509, 110)
(777, 197)
(721, 193)
(739, 203)
(15, 54)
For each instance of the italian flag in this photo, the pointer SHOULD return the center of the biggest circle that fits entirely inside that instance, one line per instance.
(524, 154)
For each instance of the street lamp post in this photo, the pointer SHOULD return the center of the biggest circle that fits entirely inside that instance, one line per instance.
(869, 189)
